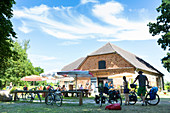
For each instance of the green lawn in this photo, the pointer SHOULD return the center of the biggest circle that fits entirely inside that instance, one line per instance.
(36, 107)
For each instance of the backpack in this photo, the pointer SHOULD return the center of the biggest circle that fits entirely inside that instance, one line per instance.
(115, 106)
(132, 98)
(153, 92)
(112, 95)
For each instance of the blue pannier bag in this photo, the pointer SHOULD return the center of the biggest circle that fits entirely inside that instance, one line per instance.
(132, 98)
(153, 92)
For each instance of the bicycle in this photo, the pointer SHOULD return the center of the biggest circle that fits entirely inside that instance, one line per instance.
(114, 96)
(148, 99)
(56, 97)
(22, 96)
(31, 96)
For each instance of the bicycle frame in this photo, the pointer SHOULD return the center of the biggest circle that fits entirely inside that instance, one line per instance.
(52, 97)
(101, 97)
(147, 97)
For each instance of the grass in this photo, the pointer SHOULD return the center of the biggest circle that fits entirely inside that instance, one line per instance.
(36, 107)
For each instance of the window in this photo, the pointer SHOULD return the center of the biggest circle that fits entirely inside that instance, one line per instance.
(102, 64)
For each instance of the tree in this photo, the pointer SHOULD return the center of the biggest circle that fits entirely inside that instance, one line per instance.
(18, 65)
(161, 27)
(39, 70)
(6, 31)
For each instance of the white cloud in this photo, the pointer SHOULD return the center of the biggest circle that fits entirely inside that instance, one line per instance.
(107, 12)
(46, 62)
(41, 57)
(61, 35)
(68, 24)
(87, 1)
(24, 28)
(67, 43)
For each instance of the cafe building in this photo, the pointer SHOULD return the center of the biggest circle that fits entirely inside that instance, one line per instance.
(110, 63)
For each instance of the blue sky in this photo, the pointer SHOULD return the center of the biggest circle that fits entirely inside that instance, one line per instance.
(61, 31)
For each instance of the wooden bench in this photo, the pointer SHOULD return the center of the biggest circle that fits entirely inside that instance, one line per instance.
(46, 91)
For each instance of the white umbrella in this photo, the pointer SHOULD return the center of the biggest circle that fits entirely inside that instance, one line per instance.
(76, 73)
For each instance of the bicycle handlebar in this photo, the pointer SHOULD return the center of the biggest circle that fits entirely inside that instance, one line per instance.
(148, 86)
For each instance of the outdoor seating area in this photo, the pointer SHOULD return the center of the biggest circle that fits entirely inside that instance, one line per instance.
(16, 92)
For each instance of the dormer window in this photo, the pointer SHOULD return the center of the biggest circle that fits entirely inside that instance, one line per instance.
(102, 64)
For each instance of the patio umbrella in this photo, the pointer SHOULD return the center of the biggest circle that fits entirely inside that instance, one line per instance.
(76, 73)
(33, 78)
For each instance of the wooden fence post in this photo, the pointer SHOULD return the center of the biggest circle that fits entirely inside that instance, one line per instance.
(80, 99)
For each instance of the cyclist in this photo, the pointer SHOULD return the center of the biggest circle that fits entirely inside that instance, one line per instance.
(142, 85)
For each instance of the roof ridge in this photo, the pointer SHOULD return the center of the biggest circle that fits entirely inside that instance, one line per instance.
(121, 49)
(107, 48)
(111, 46)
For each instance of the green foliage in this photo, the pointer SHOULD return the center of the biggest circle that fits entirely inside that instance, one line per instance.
(38, 70)
(7, 33)
(162, 27)
(167, 85)
(18, 66)
(166, 62)
(51, 84)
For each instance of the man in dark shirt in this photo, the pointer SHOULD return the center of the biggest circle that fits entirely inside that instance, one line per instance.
(25, 88)
(142, 85)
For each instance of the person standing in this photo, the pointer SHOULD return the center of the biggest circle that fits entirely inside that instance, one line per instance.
(10, 86)
(142, 85)
(126, 90)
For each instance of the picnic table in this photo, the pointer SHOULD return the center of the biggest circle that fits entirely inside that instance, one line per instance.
(85, 92)
(46, 91)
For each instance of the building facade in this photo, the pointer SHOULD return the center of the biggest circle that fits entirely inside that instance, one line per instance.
(110, 63)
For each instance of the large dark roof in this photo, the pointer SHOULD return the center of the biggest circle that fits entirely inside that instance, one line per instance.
(111, 48)
(73, 65)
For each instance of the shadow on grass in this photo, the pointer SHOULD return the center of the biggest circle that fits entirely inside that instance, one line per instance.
(36, 107)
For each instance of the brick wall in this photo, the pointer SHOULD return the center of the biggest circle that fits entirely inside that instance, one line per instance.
(112, 61)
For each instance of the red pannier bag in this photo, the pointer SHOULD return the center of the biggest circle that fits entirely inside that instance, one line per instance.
(115, 106)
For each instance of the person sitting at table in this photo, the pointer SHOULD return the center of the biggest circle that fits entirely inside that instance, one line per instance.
(106, 85)
(58, 88)
(63, 88)
(111, 86)
(81, 87)
(25, 88)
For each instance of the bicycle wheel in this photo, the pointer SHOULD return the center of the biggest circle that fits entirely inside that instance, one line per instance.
(29, 97)
(58, 100)
(100, 101)
(49, 99)
(23, 97)
(152, 101)
(132, 98)
(119, 100)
